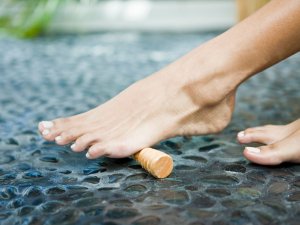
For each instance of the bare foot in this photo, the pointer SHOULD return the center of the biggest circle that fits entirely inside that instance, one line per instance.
(153, 109)
(281, 143)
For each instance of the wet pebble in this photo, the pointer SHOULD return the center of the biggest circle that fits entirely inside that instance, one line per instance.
(92, 170)
(122, 203)
(235, 168)
(174, 197)
(83, 202)
(201, 201)
(278, 187)
(147, 220)
(32, 174)
(122, 213)
(294, 196)
(135, 189)
(33, 191)
(55, 190)
(196, 158)
(91, 180)
(50, 159)
(25, 210)
(208, 147)
(218, 192)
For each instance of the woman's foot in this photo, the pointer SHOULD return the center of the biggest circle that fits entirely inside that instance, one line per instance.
(178, 100)
(281, 143)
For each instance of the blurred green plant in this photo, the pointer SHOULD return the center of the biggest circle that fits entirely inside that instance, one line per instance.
(26, 18)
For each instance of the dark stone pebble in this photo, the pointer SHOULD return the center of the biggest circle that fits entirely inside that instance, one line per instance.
(65, 171)
(172, 144)
(136, 188)
(12, 141)
(115, 177)
(201, 201)
(147, 220)
(277, 187)
(218, 192)
(121, 203)
(50, 159)
(55, 191)
(25, 210)
(293, 197)
(207, 139)
(91, 170)
(174, 197)
(235, 168)
(32, 174)
(36, 153)
(92, 180)
(196, 158)
(121, 213)
(84, 202)
(33, 191)
(208, 147)
(297, 182)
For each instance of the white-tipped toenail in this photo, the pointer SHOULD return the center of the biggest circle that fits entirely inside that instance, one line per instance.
(47, 124)
(58, 138)
(45, 132)
(87, 155)
(241, 134)
(73, 146)
(253, 150)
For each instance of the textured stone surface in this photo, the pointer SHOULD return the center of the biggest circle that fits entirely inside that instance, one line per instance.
(41, 183)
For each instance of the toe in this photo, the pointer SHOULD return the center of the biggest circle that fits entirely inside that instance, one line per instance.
(68, 136)
(264, 155)
(85, 141)
(286, 150)
(256, 135)
(97, 150)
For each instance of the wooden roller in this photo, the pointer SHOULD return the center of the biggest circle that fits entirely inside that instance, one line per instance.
(158, 163)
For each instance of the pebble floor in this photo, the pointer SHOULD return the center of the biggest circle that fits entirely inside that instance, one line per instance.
(212, 183)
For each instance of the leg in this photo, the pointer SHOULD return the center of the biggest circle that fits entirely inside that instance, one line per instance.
(281, 143)
(201, 97)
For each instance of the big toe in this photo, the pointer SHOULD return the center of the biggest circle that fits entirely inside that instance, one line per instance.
(286, 150)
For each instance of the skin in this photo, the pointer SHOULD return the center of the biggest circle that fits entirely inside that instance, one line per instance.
(201, 98)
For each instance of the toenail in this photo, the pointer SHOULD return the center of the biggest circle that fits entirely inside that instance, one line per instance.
(87, 155)
(58, 138)
(73, 146)
(45, 132)
(253, 150)
(241, 134)
(47, 124)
